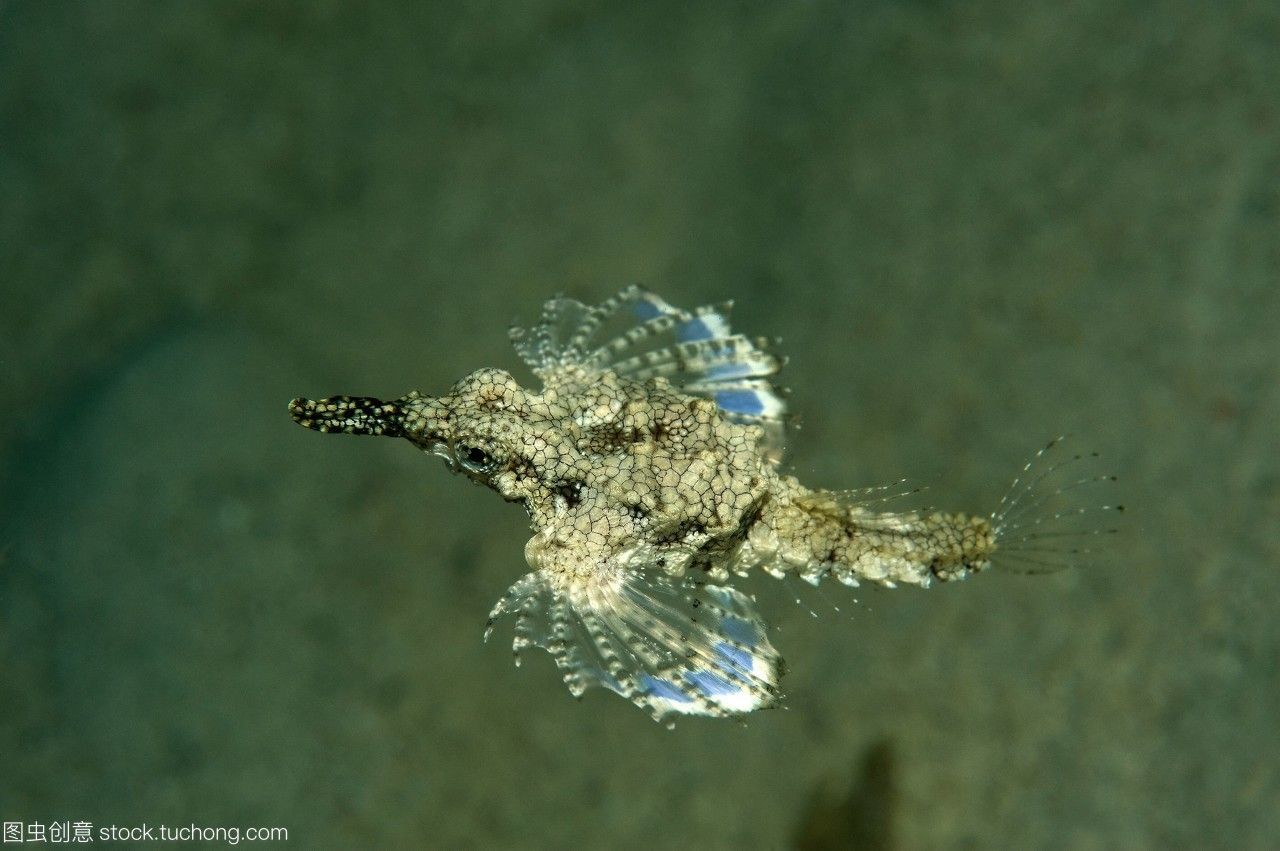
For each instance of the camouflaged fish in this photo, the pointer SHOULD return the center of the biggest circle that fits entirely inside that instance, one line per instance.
(649, 465)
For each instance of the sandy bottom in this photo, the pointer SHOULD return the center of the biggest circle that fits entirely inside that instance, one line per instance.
(973, 227)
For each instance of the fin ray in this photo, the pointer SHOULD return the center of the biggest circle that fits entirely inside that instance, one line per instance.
(696, 350)
(671, 646)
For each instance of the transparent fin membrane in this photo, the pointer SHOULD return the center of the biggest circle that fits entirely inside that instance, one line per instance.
(640, 336)
(1056, 512)
(673, 647)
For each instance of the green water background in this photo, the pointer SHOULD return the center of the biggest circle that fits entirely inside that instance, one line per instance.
(973, 225)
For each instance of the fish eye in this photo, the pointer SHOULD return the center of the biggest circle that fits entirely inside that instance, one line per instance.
(474, 459)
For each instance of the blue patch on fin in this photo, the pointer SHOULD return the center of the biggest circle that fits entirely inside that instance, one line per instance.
(740, 402)
(663, 689)
(731, 370)
(695, 330)
(736, 629)
(711, 684)
(646, 309)
(739, 661)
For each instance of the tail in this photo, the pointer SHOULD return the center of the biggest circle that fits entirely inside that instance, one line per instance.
(1054, 515)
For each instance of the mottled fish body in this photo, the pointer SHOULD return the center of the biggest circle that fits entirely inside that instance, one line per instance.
(649, 465)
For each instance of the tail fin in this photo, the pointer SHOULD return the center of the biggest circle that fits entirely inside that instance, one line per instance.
(1054, 515)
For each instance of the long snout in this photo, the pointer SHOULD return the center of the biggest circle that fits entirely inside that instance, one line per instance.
(350, 415)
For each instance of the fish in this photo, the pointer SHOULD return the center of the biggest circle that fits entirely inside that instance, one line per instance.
(649, 461)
